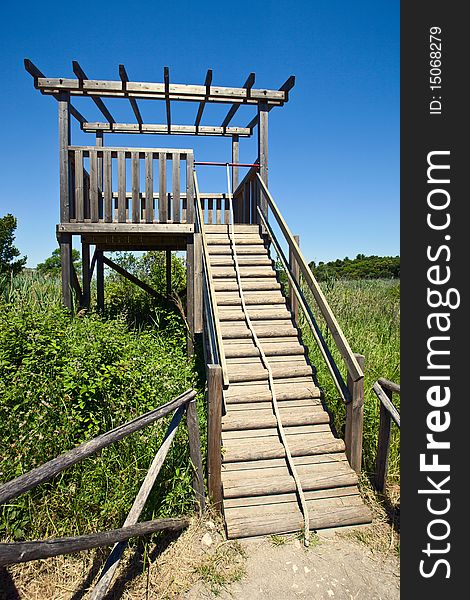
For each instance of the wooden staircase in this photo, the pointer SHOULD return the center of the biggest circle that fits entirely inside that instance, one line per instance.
(259, 492)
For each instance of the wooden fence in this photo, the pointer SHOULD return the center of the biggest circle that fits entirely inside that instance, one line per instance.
(384, 390)
(25, 551)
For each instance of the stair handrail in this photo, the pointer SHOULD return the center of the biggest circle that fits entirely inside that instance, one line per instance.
(209, 296)
(355, 371)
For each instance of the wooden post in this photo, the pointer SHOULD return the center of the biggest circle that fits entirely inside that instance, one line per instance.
(99, 144)
(64, 142)
(294, 266)
(235, 159)
(100, 280)
(262, 155)
(214, 434)
(195, 453)
(383, 445)
(168, 273)
(197, 283)
(355, 419)
(190, 292)
(65, 242)
(86, 274)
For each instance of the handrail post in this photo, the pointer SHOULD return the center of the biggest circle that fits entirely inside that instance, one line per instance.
(383, 444)
(355, 418)
(214, 434)
(195, 453)
(294, 267)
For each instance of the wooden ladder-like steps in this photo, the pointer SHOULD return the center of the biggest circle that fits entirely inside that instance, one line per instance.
(259, 492)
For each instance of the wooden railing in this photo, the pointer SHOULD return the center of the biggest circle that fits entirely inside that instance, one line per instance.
(384, 390)
(129, 185)
(25, 551)
(246, 199)
(352, 391)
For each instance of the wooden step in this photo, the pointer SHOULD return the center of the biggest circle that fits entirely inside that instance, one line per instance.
(259, 392)
(240, 240)
(237, 228)
(282, 462)
(248, 285)
(229, 272)
(252, 373)
(243, 250)
(326, 510)
(292, 404)
(278, 480)
(263, 329)
(259, 419)
(291, 360)
(277, 314)
(222, 261)
(234, 350)
(305, 444)
(251, 298)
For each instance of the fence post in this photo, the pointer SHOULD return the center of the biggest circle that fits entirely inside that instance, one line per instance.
(195, 453)
(214, 434)
(355, 419)
(294, 266)
(383, 444)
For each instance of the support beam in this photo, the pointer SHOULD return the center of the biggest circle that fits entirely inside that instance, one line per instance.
(263, 110)
(132, 278)
(65, 242)
(285, 87)
(195, 454)
(355, 419)
(86, 274)
(100, 280)
(190, 292)
(166, 79)
(64, 142)
(202, 104)
(77, 69)
(235, 160)
(233, 109)
(155, 128)
(133, 101)
(214, 434)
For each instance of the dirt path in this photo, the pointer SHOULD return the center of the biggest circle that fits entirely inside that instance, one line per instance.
(336, 567)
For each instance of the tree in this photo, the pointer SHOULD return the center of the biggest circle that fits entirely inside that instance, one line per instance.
(8, 252)
(52, 265)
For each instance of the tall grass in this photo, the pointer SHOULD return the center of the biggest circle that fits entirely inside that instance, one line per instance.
(64, 380)
(368, 311)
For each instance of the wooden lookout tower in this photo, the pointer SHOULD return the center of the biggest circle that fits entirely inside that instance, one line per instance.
(282, 467)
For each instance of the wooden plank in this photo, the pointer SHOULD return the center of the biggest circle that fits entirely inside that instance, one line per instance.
(182, 229)
(94, 200)
(65, 242)
(32, 478)
(294, 303)
(136, 208)
(291, 498)
(150, 128)
(355, 418)
(226, 211)
(79, 191)
(202, 104)
(302, 461)
(166, 79)
(112, 563)
(190, 188)
(86, 274)
(241, 421)
(385, 397)
(121, 187)
(263, 153)
(20, 552)
(218, 211)
(135, 108)
(195, 454)
(99, 103)
(300, 445)
(235, 159)
(233, 109)
(176, 205)
(272, 433)
(198, 284)
(254, 285)
(183, 152)
(162, 199)
(190, 294)
(210, 211)
(108, 188)
(214, 434)
(147, 288)
(99, 280)
(148, 187)
(260, 392)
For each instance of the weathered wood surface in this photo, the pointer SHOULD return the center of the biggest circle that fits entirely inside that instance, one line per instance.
(25, 482)
(112, 563)
(195, 454)
(214, 433)
(387, 413)
(355, 419)
(18, 552)
(155, 128)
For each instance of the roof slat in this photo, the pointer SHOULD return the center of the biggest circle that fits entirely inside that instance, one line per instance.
(133, 101)
(207, 83)
(77, 69)
(233, 109)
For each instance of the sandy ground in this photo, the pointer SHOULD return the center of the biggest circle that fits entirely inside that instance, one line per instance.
(336, 567)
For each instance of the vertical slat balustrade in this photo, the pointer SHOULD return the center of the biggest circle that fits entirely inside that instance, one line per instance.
(176, 214)
(135, 188)
(121, 187)
(162, 197)
(79, 188)
(149, 187)
(108, 188)
(94, 199)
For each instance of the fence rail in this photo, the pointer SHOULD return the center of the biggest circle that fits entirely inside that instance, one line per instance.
(24, 551)
(384, 390)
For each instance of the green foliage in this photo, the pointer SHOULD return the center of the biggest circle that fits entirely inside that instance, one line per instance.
(52, 265)
(8, 252)
(369, 315)
(361, 267)
(64, 380)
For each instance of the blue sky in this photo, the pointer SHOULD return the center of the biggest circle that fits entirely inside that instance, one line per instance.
(334, 147)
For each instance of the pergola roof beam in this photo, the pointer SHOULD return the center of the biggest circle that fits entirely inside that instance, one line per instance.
(36, 73)
(99, 103)
(135, 108)
(233, 109)
(285, 87)
(166, 79)
(202, 104)
(203, 130)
